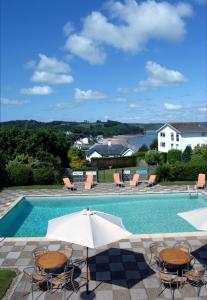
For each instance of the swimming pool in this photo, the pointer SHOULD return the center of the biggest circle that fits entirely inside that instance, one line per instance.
(144, 213)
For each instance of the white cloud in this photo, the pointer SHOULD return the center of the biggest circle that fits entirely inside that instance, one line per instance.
(203, 109)
(85, 48)
(81, 95)
(30, 64)
(68, 28)
(129, 27)
(37, 90)
(5, 101)
(159, 76)
(51, 64)
(58, 106)
(52, 78)
(119, 99)
(170, 106)
(123, 90)
(133, 105)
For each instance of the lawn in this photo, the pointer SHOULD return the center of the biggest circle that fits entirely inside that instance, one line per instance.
(34, 187)
(169, 183)
(107, 174)
(6, 277)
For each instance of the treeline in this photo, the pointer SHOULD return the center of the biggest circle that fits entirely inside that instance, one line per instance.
(78, 129)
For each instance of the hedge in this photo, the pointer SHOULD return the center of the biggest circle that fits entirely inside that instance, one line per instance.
(113, 162)
(43, 176)
(181, 171)
(20, 174)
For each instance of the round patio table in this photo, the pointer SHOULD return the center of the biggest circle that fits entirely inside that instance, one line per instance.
(174, 256)
(51, 260)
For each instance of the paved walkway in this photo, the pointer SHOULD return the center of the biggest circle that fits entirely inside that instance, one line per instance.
(119, 271)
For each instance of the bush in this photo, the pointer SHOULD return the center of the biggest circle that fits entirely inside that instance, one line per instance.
(143, 148)
(163, 157)
(139, 155)
(181, 171)
(19, 174)
(187, 153)
(173, 156)
(43, 176)
(113, 162)
(152, 157)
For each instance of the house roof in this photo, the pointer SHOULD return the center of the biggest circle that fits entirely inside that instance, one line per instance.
(187, 127)
(108, 150)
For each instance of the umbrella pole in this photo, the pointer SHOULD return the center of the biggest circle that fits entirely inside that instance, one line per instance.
(87, 290)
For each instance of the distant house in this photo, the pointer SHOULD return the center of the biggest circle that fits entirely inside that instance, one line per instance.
(108, 150)
(180, 135)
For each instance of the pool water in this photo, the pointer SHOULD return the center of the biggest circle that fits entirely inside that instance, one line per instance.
(154, 213)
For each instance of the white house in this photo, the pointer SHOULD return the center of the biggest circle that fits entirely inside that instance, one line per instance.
(108, 150)
(180, 135)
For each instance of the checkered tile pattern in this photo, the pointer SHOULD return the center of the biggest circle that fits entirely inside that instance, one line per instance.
(118, 271)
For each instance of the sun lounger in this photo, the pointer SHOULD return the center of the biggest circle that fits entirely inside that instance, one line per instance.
(152, 180)
(201, 183)
(68, 184)
(89, 182)
(135, 180)
(117, 180)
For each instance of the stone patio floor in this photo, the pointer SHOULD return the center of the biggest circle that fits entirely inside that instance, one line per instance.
(118, 271)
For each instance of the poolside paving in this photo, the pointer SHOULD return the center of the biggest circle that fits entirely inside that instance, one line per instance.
(119, 271)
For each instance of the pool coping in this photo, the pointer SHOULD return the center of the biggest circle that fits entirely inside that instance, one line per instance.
(133, 236)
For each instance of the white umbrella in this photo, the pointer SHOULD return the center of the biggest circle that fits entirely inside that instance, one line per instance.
(196, 217)
(91, 229)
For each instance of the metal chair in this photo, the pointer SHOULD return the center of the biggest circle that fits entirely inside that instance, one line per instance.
(183, 246)
(39, 251)
(68, 252)
(170, 280)
(35, 278)
(63, 281)
(155, 249)
(196, 277)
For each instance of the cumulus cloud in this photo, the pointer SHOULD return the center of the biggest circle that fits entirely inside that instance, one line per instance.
(119, 99)
(170, 106)
(6, 101)
(81, 95)
(203, 109)
(128, 27)
(59, 106)
(133, 105)
(37, 90)
(30, 64)
(68, 28)
(50, 70)
(159, 76)
(123, 90)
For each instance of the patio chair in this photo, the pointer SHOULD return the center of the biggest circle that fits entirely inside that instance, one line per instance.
(135, 180)
(68, 253)
(63, 281)
(38, 251)
(151, 180)
(171, 281)
(89, 182)
(155, 249)
(117, 180)
(201, 183)
(35, 278)
(196, 277)
(68, 184)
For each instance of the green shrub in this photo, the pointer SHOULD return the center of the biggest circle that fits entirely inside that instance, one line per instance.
(163, 157)
(162, 172)
(152, 157)
(19, 174)
(173, 156)
(143, 148)
(43, 176)
(187, 154)
(139, 155)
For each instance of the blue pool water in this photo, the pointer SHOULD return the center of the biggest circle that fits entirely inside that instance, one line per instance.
(155, 213)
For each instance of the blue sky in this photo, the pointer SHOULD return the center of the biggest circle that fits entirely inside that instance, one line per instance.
(130, 61)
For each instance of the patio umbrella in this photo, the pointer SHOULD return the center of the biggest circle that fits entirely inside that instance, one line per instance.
(196, 217)
(91, 229)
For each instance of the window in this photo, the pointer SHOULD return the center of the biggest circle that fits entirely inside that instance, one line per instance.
(172, 136)
(172, 146)
(162, 134)
(162, 144)
(203, 134)
(177, 146)
(177, 137)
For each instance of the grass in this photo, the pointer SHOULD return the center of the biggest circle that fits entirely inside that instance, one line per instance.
(169, 183)
(6, 277)
(33, 187)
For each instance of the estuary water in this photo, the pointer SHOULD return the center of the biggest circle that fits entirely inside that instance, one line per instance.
(137, 141)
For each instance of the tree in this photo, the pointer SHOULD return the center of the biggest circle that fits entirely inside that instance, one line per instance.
(154, 145)
(143, 148)
(187, 153)
(152, 157)
(199, 153)
(77, 158)
(173, 156)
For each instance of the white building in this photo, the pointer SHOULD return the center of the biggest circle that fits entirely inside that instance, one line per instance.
(180, 135)
(108, 150)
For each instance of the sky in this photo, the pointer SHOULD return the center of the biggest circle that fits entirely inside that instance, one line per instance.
(129, 61)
